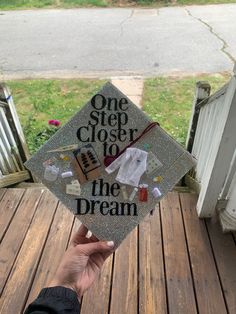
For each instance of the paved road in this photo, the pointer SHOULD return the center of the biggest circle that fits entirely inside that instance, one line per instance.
(108, 42)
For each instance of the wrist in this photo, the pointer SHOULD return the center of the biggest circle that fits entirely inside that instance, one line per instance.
(55, 283)
(61, 294)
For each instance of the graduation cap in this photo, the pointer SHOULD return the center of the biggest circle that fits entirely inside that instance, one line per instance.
(110, 164)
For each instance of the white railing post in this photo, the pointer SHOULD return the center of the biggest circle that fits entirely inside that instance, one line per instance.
(6, 94)
(228, 215)
(13, 148)
(220, 156)
(202, 91)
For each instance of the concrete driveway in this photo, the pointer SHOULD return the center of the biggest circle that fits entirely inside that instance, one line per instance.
(108, 42)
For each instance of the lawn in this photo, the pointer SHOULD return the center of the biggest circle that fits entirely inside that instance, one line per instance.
(31, 4)
(38, 101)
(166, 100)
(169, 101)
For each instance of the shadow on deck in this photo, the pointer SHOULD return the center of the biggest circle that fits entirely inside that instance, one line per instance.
(172, 263)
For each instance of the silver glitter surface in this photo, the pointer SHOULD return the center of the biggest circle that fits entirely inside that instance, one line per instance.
(174, 159)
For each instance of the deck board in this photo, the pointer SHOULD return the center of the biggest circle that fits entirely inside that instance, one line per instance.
(208, 289)
(19, 282)
(53, 250)
(2, 192)
(124, 294)
(225, 256)
(74, 229)
(172, 263)
(8, 207)
(99, 293)
(181, 298)
(16, 232)
(151, 266)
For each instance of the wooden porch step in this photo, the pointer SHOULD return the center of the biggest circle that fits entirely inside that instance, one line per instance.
(172, 263)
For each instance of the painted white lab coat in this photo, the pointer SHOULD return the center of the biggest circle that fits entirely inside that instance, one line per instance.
(132, 164)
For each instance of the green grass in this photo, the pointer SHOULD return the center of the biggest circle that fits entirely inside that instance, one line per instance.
(25, 4)
(36, 4)
(166, 100)
(38, 101)
(32, 4)
(169, 101)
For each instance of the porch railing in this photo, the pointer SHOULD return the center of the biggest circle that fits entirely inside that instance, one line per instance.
(13, 148)
(212, 140)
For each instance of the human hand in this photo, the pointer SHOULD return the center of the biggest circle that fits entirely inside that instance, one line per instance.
(82, 262)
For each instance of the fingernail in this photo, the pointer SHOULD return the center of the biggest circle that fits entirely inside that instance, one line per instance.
(110, 243)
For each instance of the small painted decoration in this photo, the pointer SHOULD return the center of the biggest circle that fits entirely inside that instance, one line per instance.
(147, 146)
(158, 179)
(143, 192)
(133, 194)
(124, 192)
(156, 192)
(73, 188)
(49, 162)
(67, 174)
(153, 164)
(64, 157)
(51, 173)
(86, 163)
(110, 164)
(132, 164)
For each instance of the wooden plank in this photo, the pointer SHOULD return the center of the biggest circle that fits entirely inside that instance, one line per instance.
(231, 204)
(2, 192)
(19, 282)
(51, 268)
(234, 236)
(7, 146)
(7, 159)
(202, 91)
(152, 288)
(219, 161)
(75, 228)
(230, 180)
(124, 296)
(180, 291)
(53, 250)
(192, 183)
(3, 166)
(208, 141)
(11, 111)
(14, 178)
(10, 140)
(8, 207)
(96, 299)
(207, 285)
(16, 232)
(225, 255)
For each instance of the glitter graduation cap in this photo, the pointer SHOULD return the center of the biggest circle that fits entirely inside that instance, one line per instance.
(110, 164)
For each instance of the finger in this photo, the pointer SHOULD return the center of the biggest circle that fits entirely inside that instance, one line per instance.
(107, 254)
(80, 234)
(82, 230)
(96, 247)
(93, 238)
(88, 235)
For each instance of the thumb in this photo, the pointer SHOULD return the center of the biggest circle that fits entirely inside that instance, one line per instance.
(97, 247)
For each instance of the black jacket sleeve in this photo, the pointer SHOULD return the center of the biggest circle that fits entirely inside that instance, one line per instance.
(55, 300)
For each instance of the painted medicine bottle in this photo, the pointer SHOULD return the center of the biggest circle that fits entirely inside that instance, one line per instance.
(143, 192)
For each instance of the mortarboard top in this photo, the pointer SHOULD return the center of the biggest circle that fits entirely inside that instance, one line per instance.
(71, 164)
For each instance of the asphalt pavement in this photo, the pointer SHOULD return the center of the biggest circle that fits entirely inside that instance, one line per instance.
(114, 42)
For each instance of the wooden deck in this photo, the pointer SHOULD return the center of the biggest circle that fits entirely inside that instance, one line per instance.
(172, 263)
